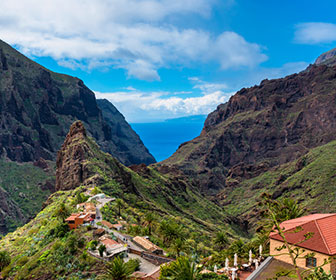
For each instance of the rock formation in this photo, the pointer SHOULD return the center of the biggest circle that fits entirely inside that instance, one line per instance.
(261, 127)
(37, 107)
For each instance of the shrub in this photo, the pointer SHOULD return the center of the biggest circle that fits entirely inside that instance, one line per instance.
(5, 259)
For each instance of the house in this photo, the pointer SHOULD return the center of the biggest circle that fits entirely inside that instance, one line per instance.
(88, 207)
(107, 224)
(147, 245)
(118, 227)
(314, 234)
(77, 219)
(113, 248)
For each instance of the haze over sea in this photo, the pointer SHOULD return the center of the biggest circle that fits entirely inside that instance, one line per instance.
(163, 138)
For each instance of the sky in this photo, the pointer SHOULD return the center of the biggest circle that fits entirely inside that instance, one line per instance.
(161, 59)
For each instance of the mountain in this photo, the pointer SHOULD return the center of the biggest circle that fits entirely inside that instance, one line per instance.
(128, 147)
(262, 127)
(188, 119)
(277, 137)
(327, 58)
(45, 248)
(38, 106)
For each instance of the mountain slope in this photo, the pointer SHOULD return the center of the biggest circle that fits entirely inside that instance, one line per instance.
(127, 144)
(45, 249)
(38, 106)
(23, 190)
(262, 127)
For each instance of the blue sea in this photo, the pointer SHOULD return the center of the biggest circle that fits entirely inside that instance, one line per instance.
(163, 138)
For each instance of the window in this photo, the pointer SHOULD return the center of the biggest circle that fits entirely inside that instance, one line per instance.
(310, 262)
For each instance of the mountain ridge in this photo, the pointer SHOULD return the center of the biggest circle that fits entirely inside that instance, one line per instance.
(38, 107)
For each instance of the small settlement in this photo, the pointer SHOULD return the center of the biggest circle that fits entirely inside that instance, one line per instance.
(318, 249)
(115, 243)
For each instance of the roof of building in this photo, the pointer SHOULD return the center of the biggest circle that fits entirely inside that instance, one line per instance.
(107, 224)
(323, 227)
(146, 244)
(72, 217)
(117, 225)
(108, 242)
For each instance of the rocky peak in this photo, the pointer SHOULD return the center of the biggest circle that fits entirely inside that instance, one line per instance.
(327, 58)
(70, 164)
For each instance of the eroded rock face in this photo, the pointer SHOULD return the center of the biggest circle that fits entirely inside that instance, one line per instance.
(70, 170)
(37, 108)
(261, 127)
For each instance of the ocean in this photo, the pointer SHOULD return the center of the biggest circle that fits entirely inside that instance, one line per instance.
(163, 138)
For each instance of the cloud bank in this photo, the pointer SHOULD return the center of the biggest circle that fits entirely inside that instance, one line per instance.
(139, 106)
(315, 33)
(135, 35)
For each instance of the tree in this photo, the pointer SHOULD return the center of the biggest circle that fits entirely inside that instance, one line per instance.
(117, 269)
(170, 231)
(101, 250)
(62, 212)
(179, 245)
(119, 204)
(5, 259)
(149, 219)
(221, 240)
(181, 269)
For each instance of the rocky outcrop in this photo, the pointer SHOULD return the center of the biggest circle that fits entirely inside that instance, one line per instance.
(81, 162)
(38, 106)
(261, 127)
(327, 58)
(70, 171)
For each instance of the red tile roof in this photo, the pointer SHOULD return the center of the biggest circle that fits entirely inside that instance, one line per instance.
(323, 227)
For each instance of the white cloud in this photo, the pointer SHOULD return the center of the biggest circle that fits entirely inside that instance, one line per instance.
(140, 106)
(206, 87)
(135, 35)
(315, 33)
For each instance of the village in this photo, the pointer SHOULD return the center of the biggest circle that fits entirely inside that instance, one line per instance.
(111, 241)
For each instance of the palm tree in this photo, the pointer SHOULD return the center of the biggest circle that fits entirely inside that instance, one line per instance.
(62, 212)
(179, 245)
(119, 204)
(170, 231)
(221, 240)
(181, 269)
(118, 270)
(149, 219)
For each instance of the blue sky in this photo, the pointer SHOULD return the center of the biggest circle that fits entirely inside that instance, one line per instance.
(159, 59)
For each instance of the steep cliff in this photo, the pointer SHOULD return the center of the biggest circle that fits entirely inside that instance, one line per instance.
(262, 127)
(38, 106)
(127, 144)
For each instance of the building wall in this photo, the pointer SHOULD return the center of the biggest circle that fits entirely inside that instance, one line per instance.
(301, 262)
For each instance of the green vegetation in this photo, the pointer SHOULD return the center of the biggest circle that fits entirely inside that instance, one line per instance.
(24, 191)
(119, 270)
(309, 180)
(45, 247)
(5, 259)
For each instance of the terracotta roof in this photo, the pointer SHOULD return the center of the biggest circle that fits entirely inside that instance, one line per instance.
(107, 224)
(117, 225)
(145, 243)
(108, 242)
(323, 227)
(72, 217)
